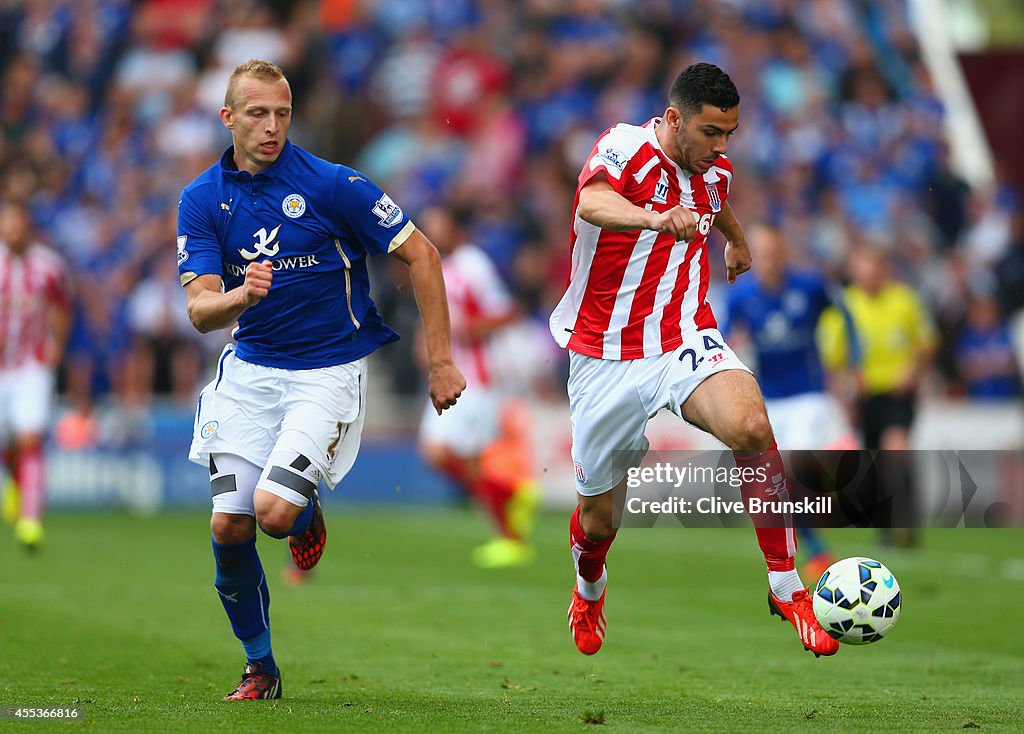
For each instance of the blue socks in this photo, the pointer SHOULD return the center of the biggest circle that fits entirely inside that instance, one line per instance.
(257, 650)
(299, 527)
(242, 587)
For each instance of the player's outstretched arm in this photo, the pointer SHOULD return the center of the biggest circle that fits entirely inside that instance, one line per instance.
(210, 309)
(604, 207)
(446, 381)
(737, 252)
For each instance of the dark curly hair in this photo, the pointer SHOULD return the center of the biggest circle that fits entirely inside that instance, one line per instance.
(701, 84)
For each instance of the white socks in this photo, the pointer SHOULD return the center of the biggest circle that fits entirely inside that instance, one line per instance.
(783, 584)
(592, 590)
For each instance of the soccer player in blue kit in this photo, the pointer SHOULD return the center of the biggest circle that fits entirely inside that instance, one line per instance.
(779, 309)
(277, 239)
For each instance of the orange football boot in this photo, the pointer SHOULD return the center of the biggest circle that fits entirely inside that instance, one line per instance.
(587, 622)
(800, 613)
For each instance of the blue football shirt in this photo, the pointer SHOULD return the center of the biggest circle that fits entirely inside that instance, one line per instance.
(988, 346)
(782, 325)
(316, 222)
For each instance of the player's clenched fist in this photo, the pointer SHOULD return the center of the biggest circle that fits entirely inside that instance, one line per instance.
(446, 385)
(678, 221)
(257, 281)
(737, 259)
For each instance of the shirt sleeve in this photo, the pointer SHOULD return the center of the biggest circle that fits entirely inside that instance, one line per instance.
(610, 157)
(362, 209)
(198, 248)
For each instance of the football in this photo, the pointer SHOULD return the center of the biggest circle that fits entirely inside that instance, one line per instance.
(857, 600)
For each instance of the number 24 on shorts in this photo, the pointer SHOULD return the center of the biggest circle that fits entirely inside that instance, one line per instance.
(709, 344)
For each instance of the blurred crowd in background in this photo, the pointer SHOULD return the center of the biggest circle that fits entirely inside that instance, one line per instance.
(109, 107)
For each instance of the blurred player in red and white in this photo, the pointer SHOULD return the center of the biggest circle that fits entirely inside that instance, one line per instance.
(34, 323)
(481, 444)
(642, 336)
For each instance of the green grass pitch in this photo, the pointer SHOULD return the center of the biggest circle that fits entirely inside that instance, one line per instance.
(398, 632)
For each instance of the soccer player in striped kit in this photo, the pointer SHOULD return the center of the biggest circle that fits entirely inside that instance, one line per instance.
(35, 316)
(642, 336)
(461, 443)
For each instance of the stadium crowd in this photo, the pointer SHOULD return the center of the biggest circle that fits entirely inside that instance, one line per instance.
(108, 107)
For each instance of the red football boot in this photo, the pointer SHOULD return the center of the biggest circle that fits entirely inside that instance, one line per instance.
(587, 622)
(309, 546)
(800, 614)
(256, 685)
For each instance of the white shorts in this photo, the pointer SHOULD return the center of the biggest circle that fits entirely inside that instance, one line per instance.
(26, 398)
(612, 400)
(468, 428)
(806, 422)
(300, 426)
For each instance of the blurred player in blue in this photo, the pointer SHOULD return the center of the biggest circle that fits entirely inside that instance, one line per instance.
(276, 240)
(778, 309)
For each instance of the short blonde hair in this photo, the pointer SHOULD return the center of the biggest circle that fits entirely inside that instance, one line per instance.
(265, 71)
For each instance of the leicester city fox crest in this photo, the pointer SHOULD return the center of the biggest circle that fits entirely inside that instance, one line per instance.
(294, 206)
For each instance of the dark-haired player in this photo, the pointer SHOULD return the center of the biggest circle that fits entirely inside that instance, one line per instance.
(642, 336)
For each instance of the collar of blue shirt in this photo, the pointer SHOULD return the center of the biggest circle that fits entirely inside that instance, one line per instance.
(229, 170)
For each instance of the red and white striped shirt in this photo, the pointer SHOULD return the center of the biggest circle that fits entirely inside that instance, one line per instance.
(475, 291)
(639, 294)
(30, 285)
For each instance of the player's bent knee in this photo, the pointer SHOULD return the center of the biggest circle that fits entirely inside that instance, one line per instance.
(274, 514)
(276, 523)
(232, 528)
(596, 516)
(277, 520)
(754, 433)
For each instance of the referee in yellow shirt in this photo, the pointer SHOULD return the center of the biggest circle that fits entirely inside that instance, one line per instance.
(897, 343)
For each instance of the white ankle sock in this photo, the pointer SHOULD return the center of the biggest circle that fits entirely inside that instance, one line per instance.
(592, 590)
(783, 584)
